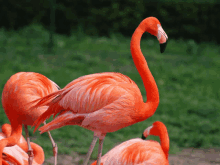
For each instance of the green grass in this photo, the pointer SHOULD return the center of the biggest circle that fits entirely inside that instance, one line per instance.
(187, 75)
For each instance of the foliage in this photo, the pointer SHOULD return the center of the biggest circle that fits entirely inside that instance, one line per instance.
(191, 19)
(187, 75)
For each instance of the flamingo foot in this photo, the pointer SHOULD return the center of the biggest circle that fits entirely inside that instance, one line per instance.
(31, 156)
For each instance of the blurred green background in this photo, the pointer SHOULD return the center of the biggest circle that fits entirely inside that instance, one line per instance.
(64, 40)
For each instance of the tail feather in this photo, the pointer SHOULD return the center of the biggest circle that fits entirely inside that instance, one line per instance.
(67, 118)
(43, 117)
(50, 100)
(44, 101)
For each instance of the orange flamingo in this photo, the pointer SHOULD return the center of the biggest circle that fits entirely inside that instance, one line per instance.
(21, 89)
(17, 154)
(106, 102)
(140, 152)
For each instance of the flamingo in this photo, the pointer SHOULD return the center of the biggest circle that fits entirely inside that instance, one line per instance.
(21, 89)
(109, 101)
(17, 154)
(139, 152)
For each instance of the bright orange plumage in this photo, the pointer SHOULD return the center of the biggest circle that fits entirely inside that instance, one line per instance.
(21, 89)
(106, 102)
(138, 151)
(17, 154)
(106, 93)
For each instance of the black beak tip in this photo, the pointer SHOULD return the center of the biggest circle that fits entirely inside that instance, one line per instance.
(143, 137)
(163, 47)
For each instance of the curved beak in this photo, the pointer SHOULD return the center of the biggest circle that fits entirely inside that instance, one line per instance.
(143, 137)
(146, 132)
(162, 38)
(163, 47)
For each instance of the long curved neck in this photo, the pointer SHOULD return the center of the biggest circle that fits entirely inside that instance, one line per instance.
(38, 153)
(164, 141)
(149, 83)
(37, 150)
(12, 140)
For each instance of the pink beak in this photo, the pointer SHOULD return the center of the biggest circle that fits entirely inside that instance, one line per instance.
(162, 38)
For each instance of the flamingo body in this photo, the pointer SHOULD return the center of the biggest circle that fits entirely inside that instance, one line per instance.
(134, 152)
(141, 152)
(92, 102)
(17, 96)
(20, 90)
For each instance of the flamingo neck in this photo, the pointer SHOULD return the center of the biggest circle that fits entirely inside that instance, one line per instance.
(37, 150)
(14, 137)
(150, 85)
(6, 129)
(12, 140)
(38, 153)
(164, 141)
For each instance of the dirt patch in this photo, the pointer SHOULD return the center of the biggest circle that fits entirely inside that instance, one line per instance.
(186, 157)
(73, 159)
(196, 157)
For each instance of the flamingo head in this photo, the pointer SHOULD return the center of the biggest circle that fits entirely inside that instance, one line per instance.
(6, 129)
(153, 130)
(153, 26)
(159, 129)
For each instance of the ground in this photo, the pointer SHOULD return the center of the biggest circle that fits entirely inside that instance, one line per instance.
(196, 157)
(186, 157)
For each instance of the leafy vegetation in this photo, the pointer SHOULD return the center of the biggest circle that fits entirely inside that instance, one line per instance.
(187, 75)
(188, 19)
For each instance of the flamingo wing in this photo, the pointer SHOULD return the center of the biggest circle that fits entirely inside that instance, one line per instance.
(93, 98)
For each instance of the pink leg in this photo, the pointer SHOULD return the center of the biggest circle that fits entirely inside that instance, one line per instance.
(30, 150)
(100, 151)
(55, 148)
(95, 138)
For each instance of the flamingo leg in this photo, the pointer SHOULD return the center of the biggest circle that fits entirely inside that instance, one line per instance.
(100, 151)
(30, 150)
(95, 138)
(55, 148)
